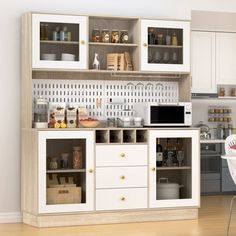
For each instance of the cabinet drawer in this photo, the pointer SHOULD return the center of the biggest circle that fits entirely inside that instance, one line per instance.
(121, 155)
(121, 177)
(111, 199)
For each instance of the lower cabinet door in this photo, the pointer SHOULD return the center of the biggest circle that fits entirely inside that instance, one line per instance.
(115, 199)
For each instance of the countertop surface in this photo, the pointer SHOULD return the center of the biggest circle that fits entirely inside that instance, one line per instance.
(212, 140)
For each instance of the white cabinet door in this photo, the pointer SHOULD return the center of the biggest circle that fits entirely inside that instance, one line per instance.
(203, 62)
(165, 46)
(51, 145)
(187, 175)
(52, 49)
(225, 58)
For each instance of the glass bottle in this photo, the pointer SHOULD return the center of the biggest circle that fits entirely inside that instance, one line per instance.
(77, 158)
(159, 154)
(174, 39)
(46, 32)
(96, 35)
(64, 160)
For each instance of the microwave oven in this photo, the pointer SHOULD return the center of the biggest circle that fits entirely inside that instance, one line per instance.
(165, 114)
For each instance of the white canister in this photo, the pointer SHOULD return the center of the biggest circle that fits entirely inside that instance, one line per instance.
(166, 190)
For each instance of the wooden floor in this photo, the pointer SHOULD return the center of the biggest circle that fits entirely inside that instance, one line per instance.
(212, 222)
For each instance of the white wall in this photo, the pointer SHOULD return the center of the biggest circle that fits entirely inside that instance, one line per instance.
(10, 13)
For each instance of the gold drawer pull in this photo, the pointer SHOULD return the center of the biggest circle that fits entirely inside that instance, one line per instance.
(90, 170)
(122, 199)
(145, 45)
(122, 177)
(153, 169)
(122, 155)
(82, 42)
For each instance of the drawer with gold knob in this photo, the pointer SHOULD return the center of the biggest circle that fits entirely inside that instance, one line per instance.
(111, 199)
(121, 177)
(121, 155)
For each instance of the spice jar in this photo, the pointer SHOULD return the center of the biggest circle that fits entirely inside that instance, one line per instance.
(77, 158)
(222, 92)
(105, 36)
(115, 36)
(96, 35)
(124, 37)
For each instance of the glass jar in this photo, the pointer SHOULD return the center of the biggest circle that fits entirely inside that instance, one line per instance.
(77, 158)
(174, 40)
(105, 36)
(124, 37)
(115, 36)
(64, 160)
(96, 35)
(222, 92)
(53, 165)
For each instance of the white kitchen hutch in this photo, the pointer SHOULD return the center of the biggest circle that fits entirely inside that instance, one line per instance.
(117, 181)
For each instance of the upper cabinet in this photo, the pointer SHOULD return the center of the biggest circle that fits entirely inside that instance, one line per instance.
(59, 41)
(225, 58)
(203, 62)
(165, 46)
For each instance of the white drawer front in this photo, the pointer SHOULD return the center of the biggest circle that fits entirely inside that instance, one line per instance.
(121, 155)
(121, 177)
(111, 199)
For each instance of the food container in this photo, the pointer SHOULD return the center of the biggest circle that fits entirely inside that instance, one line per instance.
(138, 121)
(166, 190)
(105, 36)
(96, 35)
(77, 158)
(124, 37)
(115, 36)
(40, 113)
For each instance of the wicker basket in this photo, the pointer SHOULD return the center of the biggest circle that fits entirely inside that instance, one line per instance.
(63, 195)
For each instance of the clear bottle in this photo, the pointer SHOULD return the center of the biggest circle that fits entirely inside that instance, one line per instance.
(55, 34)
(77, 158)
(65, 160)
(159, 154)
(65, 33)
(174, 39)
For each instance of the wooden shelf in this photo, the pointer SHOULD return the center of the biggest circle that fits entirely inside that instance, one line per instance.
(174, 168)
(59, 42)
(114, 44)
(65, 171)
(163, 46)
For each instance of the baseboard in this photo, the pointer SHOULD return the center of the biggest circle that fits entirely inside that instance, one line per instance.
(10, 217)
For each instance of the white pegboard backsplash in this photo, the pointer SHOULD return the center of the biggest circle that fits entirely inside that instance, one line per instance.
(96, 95)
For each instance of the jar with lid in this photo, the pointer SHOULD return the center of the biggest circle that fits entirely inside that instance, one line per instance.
(222, 92)
(124, 37)
(77, 157)
(64, 162)
(115, 36)
(40, 113)
(53, 165)
(105, 36)
(233, 92)
(96, 35)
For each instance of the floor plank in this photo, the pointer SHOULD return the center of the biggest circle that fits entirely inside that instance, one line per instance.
(212, 222)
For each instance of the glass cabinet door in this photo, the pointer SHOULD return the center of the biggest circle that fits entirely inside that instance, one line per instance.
(165, 45)
(59, 41)
(65, 171)
(174, 168)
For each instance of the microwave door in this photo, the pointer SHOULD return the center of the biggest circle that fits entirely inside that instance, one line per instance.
(167, 115)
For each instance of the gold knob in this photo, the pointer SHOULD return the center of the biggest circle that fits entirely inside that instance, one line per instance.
(153, 169)
(122, 177)
(145, 45)
(82, 42)
(122, 155)
(122, 199)
(90, 170)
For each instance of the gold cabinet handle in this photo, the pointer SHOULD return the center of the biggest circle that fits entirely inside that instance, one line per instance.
(122, 199)
(153, 169)
(145, 45)
(90, 170)
(122, 177)
(122, 155)
(82, 42)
